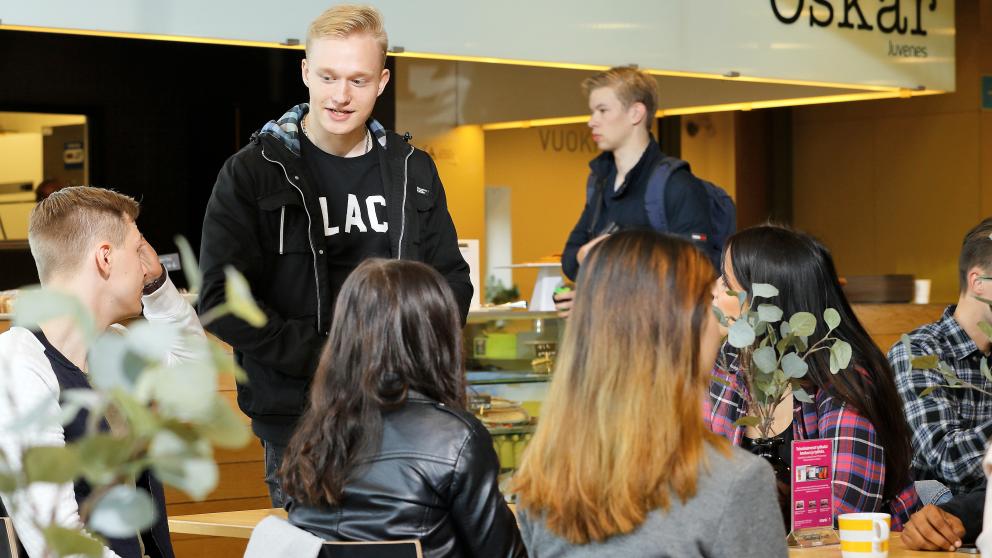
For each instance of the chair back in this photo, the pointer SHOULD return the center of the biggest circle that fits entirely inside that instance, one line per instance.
(373, 549)
(10, 547)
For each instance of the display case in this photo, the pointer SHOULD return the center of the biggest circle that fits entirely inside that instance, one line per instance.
(509, 356)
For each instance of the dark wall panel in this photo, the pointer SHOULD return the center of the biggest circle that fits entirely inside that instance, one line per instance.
(163, 116)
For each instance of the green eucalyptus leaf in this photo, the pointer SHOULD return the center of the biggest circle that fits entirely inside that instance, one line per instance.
(225, 364)
(925, 362)
(765, 359)
(759, 327)
(840, 356)
(101, 454)
(240, 300)
(983, 365)
(740, 334)
(122, 512)
(56, 464)
(753, 422)
(196, 477)
(226, 428)
(799, 343)
(167, 444)
(111, 365)
(927, 391)
(184, 391)
(741, 297)
(801, 395)
(71, 542)
(769, 313)
(794, 366)
(763, 290)
(153, 340)
(190, 268)
(8, 482)
(784, 343)
(721, 380)
(986, 329)
(785, 329)
(907, 344)
(985, 300)
(720, 316)
(780, 378)
(832, 318)
(803, 324)
(140, 418)
(36, 305)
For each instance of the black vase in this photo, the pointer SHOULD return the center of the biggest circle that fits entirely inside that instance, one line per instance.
(770, 450)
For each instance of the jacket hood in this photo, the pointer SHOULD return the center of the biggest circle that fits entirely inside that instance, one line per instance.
(287, 128)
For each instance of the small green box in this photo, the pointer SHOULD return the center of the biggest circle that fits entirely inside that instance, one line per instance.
(495, 345)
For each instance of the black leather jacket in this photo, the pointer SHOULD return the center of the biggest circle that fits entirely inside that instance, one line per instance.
(433, 479)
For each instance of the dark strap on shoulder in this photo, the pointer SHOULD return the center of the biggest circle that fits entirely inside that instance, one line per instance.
(654, 196)
(594, 196)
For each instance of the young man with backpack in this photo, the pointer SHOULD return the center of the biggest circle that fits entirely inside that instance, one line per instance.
(633, 184)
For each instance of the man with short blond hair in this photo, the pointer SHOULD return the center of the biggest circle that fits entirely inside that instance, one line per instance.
(85, 244)
(314, 194)
(622, 105)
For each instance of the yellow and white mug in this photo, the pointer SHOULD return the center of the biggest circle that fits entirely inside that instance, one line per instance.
(864, 535)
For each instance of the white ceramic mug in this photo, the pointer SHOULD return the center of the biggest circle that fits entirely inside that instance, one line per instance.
(864, 535)
(921, 291)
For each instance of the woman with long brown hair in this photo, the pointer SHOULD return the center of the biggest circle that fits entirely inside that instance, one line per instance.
(386, 450)
(622, 463)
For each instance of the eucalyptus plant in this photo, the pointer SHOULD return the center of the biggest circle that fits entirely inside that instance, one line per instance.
(770, 353)
(170, 418)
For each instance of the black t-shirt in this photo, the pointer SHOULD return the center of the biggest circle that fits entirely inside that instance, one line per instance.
(352, 206)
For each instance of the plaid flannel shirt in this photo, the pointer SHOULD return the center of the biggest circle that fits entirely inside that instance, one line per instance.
(950, 427)
(858, 460)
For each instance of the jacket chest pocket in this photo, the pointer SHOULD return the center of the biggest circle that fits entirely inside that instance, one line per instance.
(422, 206)
(285, 226)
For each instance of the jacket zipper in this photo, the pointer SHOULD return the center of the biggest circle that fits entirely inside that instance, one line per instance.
(406, 172)
(316, 281)
(282, 227)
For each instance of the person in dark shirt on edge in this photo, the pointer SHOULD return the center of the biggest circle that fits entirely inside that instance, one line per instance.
(946, 526)
(312, 195)
(622, 104)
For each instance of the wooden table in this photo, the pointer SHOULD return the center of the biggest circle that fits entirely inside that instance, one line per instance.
(239, 524)
(896, 550)
(235, 524)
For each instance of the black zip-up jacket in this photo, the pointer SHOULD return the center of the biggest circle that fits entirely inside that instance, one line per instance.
(433, 478)
(263, 219)
(686, 204)
(970, 509)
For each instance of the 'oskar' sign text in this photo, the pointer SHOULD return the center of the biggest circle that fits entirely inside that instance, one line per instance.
(894, 16)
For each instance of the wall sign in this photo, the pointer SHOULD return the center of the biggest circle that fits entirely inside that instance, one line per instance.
(827, 41)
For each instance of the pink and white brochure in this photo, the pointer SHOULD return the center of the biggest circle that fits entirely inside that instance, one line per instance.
(812, 484)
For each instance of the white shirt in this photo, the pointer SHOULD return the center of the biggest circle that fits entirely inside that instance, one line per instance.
(27, 383)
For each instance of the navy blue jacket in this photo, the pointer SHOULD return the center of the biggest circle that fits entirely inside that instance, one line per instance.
(686, 204)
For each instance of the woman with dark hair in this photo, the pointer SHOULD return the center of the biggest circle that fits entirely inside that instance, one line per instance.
(858, 408)
(622, 463)
(386, 450)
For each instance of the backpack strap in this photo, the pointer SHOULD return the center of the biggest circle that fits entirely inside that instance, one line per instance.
(654, 197)
(594, 196)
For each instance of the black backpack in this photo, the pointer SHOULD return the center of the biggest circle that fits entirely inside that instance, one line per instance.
(723, 212)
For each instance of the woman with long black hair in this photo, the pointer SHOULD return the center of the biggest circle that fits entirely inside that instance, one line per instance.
(858, 408)
(386, 450)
